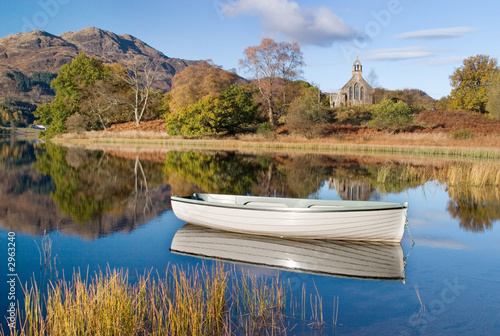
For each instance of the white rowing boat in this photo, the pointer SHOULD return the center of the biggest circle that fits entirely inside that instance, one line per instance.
(359, 259)
(295, 217)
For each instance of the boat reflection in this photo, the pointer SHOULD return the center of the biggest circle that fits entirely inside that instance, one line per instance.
(368, 260)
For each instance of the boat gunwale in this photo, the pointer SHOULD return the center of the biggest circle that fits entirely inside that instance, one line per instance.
(201, 202)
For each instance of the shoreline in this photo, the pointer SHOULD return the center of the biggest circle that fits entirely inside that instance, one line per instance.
(138, 140)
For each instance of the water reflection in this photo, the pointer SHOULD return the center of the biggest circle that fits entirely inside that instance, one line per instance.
(474, 207)
(94, 193)
(86, 193)
(340, 258)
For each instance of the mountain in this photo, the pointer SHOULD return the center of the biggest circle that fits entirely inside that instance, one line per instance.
(28, 61)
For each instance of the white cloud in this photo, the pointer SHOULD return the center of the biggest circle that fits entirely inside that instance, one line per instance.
(437, 34)
(399, 54)
(442, 61)
(318, 26)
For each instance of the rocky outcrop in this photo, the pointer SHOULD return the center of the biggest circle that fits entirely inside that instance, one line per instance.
(39, 51)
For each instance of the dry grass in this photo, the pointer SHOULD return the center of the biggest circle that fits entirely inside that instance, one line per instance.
(194, 302)
(436, 144)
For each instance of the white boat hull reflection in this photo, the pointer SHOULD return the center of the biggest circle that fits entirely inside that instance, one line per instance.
(372, 260)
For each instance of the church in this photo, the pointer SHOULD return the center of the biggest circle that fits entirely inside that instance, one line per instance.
(355, 92)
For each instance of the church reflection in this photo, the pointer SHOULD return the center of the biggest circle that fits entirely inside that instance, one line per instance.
(352, 190)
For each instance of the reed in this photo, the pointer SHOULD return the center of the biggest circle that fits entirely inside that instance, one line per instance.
(46, 260)
(199, 301)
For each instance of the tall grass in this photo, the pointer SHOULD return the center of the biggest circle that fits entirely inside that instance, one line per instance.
(195, 302)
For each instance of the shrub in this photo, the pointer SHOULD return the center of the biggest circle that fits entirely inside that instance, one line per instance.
(353, 116)
(77, 123)
(265, 128)
(307, 113)
(462, 134)
(391, 116)
(196, 119)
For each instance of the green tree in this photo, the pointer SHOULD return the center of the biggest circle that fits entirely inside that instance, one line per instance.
(83, 71)
(229, 112)
(470, 83)
(390, 115)
(493, 106)
(237, 110)
(196, 119)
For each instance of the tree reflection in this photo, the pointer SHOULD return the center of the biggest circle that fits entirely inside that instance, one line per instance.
(219, 172)
(103, 194)
(476, 208)
(292, 176)
(91, 183)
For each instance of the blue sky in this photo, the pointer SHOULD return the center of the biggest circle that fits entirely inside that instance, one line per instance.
(407, 43)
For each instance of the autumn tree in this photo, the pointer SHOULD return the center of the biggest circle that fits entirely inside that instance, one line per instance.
(493, 106)
(198, 81)
(470, 83)
(273, 65)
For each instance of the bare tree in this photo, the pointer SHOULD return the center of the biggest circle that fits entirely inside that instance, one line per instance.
(372, 78)
(141, 182)
(140, 78)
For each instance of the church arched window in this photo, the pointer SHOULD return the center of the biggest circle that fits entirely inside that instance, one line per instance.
(362, 93)
(350, 93)
(356, 91)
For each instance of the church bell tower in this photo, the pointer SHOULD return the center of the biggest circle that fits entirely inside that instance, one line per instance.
(357, 68)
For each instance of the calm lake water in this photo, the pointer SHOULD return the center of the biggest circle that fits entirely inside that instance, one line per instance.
(112, 210)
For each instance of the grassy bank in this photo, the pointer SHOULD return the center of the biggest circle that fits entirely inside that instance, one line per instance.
(195, 302)
(399, 144)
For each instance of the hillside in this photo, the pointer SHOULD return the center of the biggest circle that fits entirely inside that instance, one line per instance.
(27, 57)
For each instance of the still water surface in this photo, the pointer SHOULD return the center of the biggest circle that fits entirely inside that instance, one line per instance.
(101, 210)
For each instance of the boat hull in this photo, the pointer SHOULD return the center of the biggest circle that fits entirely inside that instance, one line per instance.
(370, 224)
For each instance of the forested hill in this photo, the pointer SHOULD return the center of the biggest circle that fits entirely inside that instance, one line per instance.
(29, 61)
